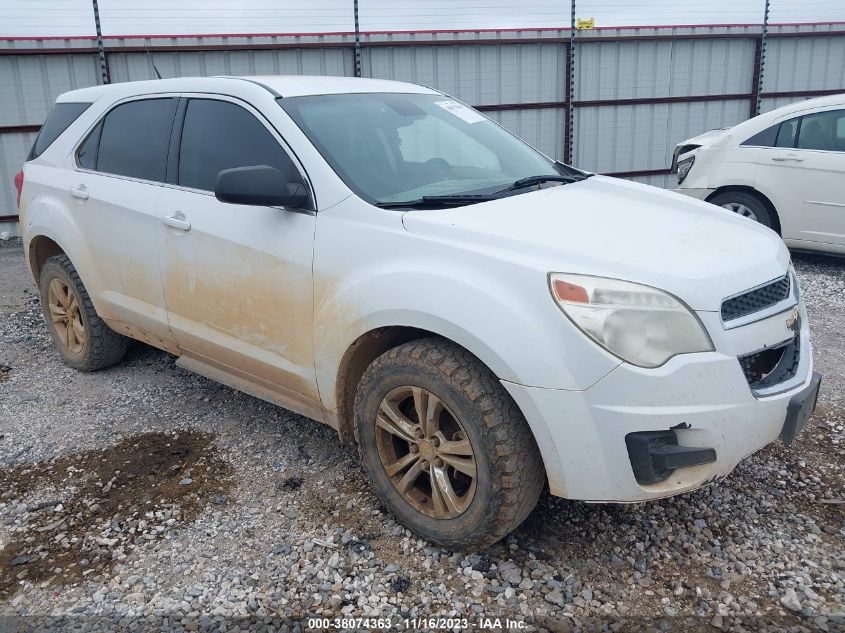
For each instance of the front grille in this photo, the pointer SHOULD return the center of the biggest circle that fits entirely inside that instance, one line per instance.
(756, 300)
(771, 366)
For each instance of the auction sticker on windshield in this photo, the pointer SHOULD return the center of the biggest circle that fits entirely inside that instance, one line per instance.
(461, 111)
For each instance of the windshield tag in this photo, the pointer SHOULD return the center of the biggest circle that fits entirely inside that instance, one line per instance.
(461, 111)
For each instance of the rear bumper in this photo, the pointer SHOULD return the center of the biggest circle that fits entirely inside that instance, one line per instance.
(701, 194)
(703, 398)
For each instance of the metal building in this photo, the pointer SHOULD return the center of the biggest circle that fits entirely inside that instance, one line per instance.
(635, 92)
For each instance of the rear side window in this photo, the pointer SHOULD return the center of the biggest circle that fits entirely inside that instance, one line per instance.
(220, 135)
(59, 119)
(133, 140)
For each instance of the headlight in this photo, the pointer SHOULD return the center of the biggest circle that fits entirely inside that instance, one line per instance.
(683, 168)
(640, 324)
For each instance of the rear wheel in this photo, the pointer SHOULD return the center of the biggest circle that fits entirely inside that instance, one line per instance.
(445, 446)
(746, 205)
(81, 336)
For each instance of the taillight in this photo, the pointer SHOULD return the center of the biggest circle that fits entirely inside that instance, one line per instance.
(19, 185)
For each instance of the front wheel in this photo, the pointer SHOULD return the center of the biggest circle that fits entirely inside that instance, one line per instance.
(746, 205)
(447, 449)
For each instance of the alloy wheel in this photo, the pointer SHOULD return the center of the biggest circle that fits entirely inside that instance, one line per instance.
(426, 452)
(66, 316)
(740, 209)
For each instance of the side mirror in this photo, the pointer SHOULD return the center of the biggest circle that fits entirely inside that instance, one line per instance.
(259, 185)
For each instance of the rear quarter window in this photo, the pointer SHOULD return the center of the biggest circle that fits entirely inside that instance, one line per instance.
(766, 138)
(60, 117)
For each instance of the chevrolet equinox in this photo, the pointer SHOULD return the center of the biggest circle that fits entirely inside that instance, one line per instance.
(482, 320)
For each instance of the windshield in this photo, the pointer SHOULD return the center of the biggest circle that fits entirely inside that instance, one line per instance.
(391, 148)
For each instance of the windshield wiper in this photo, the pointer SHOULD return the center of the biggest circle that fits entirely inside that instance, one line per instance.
(460, 199)
(433, 202)
(577, 174)
(536, 180)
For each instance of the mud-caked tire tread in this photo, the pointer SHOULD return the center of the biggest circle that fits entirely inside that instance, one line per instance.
(517, 475)
(104, 346)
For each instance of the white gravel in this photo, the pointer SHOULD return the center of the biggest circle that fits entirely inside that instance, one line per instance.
(272, 522)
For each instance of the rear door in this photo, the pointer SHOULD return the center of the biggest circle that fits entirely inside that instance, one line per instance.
(804, 172)
(237, 279)
(114, 190)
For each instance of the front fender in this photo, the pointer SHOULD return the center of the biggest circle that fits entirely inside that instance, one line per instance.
(520, 340)
(490, 324)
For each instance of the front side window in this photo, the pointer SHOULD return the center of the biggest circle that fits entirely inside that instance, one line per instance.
(133, 140)
(392, 148)
(823, 131)
(59, 119)
(220, 135)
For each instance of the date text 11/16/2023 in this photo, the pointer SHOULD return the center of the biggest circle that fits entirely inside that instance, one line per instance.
(423, 623)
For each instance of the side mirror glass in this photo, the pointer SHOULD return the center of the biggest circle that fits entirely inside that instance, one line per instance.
(259, 185)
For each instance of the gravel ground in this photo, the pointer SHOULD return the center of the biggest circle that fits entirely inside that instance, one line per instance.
(147, 497)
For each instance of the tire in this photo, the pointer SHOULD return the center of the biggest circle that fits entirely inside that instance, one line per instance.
(745, 204)
(471, 412)
(92, 344)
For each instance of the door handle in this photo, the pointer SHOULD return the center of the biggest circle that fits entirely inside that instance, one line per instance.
(795, 156)
(80, 192)
(176, 221)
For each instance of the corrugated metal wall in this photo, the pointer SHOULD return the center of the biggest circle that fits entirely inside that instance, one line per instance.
(637, 91)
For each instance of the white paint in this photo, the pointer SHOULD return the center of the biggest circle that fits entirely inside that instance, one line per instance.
(803, 185)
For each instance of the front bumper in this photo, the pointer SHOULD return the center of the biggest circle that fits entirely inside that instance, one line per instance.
(704, 398)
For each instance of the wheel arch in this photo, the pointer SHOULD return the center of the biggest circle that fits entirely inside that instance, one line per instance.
(41, 248)
(378, 339)
(372, 344)
(354, 362)
(752, 192)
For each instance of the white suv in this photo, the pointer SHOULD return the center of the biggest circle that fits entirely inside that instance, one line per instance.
(785, 169)
(384, 259)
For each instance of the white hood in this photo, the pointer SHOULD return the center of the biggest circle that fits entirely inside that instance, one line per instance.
(616, 228)
(704, 139)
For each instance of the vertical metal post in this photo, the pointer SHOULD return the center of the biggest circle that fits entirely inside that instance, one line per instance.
(357, 40)
(104, 65)
(569, 144)
(758, 97)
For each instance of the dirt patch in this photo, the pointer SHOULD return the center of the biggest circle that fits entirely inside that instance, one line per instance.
(78, 514)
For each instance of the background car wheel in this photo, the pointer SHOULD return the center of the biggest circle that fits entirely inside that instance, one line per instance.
(447, 449)
(745, 204)
(81, 336)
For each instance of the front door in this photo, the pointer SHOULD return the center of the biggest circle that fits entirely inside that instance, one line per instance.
(237, 279)
(809, 170)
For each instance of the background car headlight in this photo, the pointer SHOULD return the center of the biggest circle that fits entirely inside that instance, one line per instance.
(639, 324)
(683, 168)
